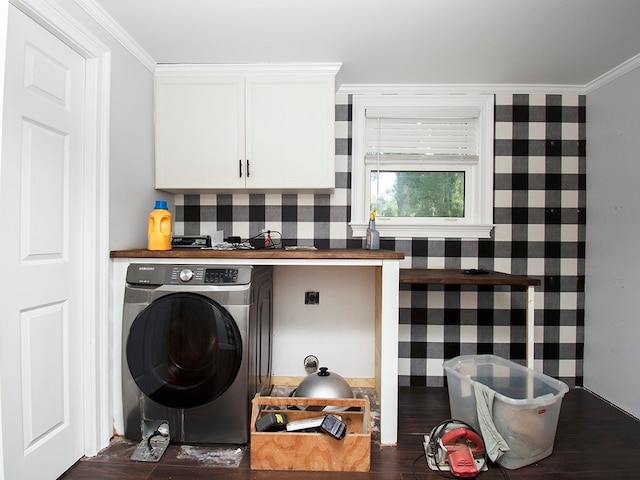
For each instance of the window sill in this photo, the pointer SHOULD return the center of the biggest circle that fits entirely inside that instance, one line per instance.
(426, 231)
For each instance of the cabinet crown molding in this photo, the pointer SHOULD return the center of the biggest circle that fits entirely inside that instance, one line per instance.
(244, 69)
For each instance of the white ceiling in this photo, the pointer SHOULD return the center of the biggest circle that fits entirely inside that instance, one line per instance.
(546, 42)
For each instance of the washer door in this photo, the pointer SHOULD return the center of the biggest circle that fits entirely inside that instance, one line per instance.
(184, 350)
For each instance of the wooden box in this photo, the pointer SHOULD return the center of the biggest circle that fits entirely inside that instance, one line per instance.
(312, 451)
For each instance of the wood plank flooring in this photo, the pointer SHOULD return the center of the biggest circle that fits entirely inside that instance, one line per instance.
(594, 440)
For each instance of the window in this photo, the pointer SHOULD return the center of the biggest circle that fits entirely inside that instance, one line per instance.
(425, 162)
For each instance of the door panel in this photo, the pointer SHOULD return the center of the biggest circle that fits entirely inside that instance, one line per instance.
(44, 163)
(41, 210)
(45, 404)
(45, 76)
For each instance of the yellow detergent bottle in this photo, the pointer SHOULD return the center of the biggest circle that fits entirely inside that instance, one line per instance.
(159, 232)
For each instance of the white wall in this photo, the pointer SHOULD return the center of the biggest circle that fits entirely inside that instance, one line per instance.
(612, 326)
(132, 195)
(340, 330)
(131, 160)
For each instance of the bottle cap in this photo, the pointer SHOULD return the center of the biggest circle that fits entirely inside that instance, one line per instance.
(161, 205)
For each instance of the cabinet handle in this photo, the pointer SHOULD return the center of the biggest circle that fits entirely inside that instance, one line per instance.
(240, 168)
(248, 173)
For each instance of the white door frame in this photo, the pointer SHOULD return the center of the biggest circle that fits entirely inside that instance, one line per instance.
(4, 13)
(97, 398)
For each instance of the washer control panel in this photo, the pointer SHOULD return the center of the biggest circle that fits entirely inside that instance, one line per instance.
(221, 275)
(181, 274)
(148, 274)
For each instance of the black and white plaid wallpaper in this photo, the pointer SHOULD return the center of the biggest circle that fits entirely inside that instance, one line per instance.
(539, 212)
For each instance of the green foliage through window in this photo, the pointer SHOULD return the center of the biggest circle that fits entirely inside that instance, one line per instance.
(418, 194)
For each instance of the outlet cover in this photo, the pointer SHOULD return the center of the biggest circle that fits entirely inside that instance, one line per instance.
(311, 298)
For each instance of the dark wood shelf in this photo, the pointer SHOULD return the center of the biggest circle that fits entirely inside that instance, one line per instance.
(437, 276)
(275, 254)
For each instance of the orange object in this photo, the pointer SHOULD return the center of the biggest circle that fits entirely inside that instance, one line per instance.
(462, 445)
(159, 229)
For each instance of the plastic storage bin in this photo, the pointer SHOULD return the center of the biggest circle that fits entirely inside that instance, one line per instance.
(526, 404)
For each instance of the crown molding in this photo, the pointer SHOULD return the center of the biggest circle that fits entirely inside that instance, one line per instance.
(440, 89)
(433, 89)
(611, 75)
(107, 22)
(243, 69)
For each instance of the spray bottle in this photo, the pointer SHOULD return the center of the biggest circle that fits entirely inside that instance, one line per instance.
(373, 236)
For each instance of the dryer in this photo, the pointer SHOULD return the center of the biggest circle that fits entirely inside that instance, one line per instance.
(196, 347)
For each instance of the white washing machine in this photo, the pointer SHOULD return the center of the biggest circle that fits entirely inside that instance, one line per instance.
(196, 348)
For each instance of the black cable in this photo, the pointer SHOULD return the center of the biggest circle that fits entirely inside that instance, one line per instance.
(413, 466)
(505, 475)
(273, 243)
(154, 434)
(278, 241)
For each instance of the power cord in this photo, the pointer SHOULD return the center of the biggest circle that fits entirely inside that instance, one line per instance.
(505, 475)
(161, 431)
(413, 466)
(270, 241)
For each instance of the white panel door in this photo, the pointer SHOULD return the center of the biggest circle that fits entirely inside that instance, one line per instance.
(41, 212)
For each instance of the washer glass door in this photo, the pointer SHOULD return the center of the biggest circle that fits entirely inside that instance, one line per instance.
(184, 350)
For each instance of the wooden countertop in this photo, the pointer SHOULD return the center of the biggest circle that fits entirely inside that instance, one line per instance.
(275, 254)
(434, 276)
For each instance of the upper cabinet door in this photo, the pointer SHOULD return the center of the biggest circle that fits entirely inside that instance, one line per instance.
(199, 132)
(290, 131)
(266, 128)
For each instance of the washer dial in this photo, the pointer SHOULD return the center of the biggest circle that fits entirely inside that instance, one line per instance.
(186, 275)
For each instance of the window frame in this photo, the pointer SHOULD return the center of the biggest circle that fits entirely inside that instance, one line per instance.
(478, 219)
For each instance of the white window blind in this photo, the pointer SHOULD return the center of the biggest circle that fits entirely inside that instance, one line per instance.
(424, 137)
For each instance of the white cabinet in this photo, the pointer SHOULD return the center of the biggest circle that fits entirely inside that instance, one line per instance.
(263, 130)
(199, 132)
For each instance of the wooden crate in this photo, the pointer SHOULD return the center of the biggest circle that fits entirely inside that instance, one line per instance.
(312, 451)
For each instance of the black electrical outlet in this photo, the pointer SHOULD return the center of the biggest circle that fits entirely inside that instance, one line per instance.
(311, 298)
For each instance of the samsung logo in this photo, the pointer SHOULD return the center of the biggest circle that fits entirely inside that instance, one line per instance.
(147, 268)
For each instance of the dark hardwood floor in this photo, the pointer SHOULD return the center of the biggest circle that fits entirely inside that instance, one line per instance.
(594, 440)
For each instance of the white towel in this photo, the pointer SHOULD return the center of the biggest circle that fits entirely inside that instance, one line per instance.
(494, 444)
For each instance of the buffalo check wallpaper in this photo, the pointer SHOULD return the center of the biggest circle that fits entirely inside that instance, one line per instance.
(539, 216)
